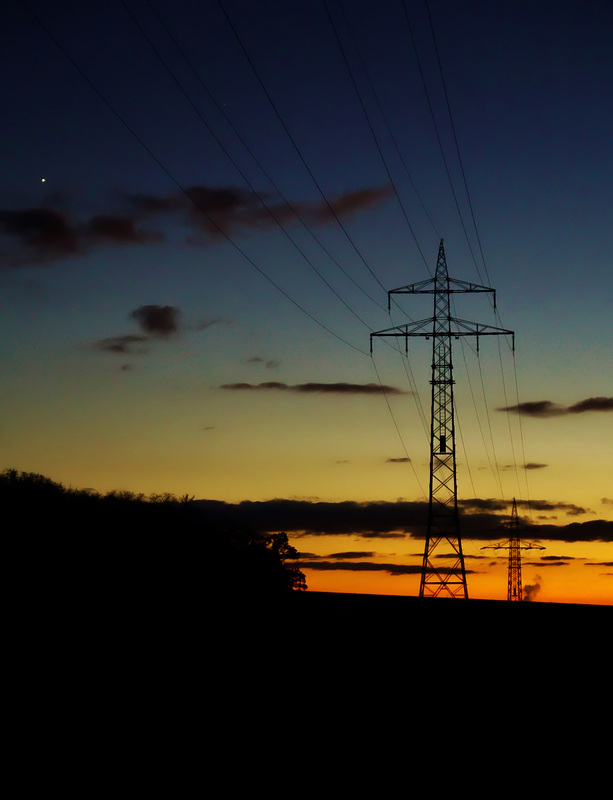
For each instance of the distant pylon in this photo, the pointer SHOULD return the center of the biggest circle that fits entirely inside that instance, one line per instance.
(514, 546)
(446, 575)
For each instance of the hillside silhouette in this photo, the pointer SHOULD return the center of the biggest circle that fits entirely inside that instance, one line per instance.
(121, 551)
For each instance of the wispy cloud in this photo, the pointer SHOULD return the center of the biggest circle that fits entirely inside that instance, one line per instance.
(39, 235)
(121, 344)
(269, 363)
(314, 388)
(155, 322)
(403, 460)
(546, 408)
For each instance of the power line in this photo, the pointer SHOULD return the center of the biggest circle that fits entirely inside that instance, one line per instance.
(410, 460)
(295, 146)
(187, 194)
(386, 121)
(238, 169)
(455, 138)
(436, 130)
(242, 140)
(372, 131)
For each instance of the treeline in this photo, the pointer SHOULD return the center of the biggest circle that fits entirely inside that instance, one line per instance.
(122, 547)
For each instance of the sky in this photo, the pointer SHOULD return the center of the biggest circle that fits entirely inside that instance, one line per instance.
(202, 209)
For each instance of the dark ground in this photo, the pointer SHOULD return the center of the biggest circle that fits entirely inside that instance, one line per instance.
(280, 694)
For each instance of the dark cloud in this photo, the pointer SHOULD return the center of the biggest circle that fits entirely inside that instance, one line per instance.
(538, 408)
(404, 460)
(157, 320)
(121, 344)
(592, 404)
(492, 504)
(382, 520)
(314, 388)
(40, 235)
(347, 204)
(269, 363)
(204, 324)
(368, 566)
(545, 408)
(37, 236)
(121, 230)
(533, 465)
(146, 205)
(318, 518)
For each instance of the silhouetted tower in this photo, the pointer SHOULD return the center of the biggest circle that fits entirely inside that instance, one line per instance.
(514, 545)
(446, 575)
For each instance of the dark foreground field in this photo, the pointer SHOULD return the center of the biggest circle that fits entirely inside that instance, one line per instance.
(277, 694)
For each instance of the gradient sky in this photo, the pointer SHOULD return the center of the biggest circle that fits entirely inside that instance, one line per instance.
(202, 207)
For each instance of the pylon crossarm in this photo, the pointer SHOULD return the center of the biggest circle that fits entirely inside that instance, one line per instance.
(415, 288)
(430, 286)
(468, 328)
(425, 327)
(410, 329)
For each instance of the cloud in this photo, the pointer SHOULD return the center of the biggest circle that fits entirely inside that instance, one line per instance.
(381, 520)
(38, 236)
(157, 320)
(368, 566)
(539, 408)
(314, 388)
(545, 408)
(404, 460)
(269, 363)
(218, 212)
(347, 205)
(121, 344)
(121, 230)
(533, 465)
(592, 404)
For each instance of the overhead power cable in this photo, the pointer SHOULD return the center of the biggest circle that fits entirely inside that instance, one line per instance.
(372, 131)
(238, 169)
(438, 135)
(295, 146)
(244, 143)
(177, 183)
(386, 121)
(455, 138)
(409, 459)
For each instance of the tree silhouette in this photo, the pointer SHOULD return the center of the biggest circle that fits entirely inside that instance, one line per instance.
(123, 546)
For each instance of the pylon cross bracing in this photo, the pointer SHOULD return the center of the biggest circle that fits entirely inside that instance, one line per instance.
(443, 570)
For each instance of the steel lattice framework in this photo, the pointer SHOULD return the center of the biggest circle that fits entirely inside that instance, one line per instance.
(514, 545)
(446, 575)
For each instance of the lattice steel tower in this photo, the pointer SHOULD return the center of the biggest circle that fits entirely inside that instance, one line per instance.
(514, 545)
(446, 575)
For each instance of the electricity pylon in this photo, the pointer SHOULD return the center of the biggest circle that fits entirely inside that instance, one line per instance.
(514, 546)
(443, 526)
